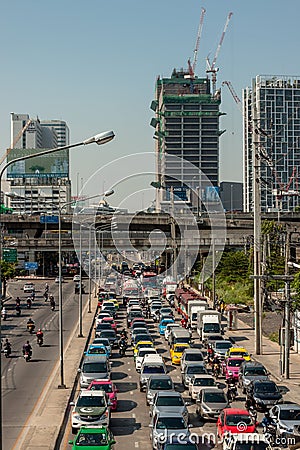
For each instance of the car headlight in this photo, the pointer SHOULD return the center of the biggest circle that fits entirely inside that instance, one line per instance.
(76, 416)
(247, 382)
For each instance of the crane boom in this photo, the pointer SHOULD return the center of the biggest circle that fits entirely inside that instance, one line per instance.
(203, 11)
(233, 93)
(16, 140)
(221, 41)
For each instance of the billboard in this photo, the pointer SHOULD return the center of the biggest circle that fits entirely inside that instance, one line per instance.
(52, 165)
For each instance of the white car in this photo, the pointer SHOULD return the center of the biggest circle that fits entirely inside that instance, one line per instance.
(57, 279)
(169, 328)
(199, 382)
(28, 288)
(76, 278)
(140, 356)
(90, 409)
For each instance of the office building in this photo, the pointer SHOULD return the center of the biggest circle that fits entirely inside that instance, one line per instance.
(41, 183)
(231, 195)
(271, 112)
(186, 126)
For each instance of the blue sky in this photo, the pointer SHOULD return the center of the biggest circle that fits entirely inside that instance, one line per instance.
(94, 63)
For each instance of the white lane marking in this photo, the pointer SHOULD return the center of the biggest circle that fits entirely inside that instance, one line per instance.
(129, 376)
(131, 392)
(136, 444)
(133, 416)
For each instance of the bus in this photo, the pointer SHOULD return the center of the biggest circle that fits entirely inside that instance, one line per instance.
(149, 280)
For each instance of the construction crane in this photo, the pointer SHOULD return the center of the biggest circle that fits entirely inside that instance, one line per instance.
(192, 67)
(16, 140)
(233, 93)
(211, 67)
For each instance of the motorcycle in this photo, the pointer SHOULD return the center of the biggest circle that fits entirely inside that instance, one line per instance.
(216, 370)
(253, 413)
(270, 432)
(122, 349)
(232, 392)
(27, 356)
(52, 306)
(7, 351)
(29, 303)
(30, 327)
(4, 315)
(18, 311)
(40, 340)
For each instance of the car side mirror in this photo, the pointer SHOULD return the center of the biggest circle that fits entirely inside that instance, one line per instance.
(113, 442)
(79, 370)
(71, 442)
(72, 404)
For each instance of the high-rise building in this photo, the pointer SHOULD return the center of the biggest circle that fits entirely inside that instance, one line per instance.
(40, 183)
(272, 127)
(187, 127)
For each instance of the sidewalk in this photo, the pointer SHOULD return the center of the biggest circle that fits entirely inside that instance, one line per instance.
(42, 430)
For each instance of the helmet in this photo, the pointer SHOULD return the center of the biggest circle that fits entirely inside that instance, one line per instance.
(39, 329)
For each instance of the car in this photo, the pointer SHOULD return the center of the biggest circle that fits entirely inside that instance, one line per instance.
(163, 324)
(101, 316)
(111, 336)
(176, 352)
(211, 339)
(230, 419)
(92, 438)
(210, 402)
(170, 401)
(90, 408)
(111, 310)
(191, 369)
(250, 371)
(109, 388)
(190, 355)
(148, 369)
(169, 329)
(141, 337)
(102, 327)
(111, 321)
(165, 426)
(97, 349)
(286, 417)
(199, 382)
(178, 444)
(94, 367)
(28, 288)
(57, 280)
(140, 356)
(76, 278)
(140, 344)
(262, 394)
(161, 382)
(231, 367)
(105, 342)
(220, 347)
(238, 351)
(107, 304)
(165, 311)
(132, 315)
(139, 330)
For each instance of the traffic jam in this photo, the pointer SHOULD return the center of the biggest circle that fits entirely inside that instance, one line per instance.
(199, 388)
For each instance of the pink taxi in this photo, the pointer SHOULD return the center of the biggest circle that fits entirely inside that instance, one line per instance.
(231, 367)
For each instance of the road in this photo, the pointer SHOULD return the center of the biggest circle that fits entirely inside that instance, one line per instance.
(130, 423)
(22, 383)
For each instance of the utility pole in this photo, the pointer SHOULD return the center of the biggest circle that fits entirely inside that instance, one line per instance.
(173, 234)
(213, 273)
(287, 342)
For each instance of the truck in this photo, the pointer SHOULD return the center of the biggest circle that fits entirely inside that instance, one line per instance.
(208, 323)
(169, 289)
(193, 307)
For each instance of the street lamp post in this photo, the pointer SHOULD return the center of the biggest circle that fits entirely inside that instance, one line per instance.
(99, 139)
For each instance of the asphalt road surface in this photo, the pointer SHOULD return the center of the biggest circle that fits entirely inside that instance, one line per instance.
(22, 383)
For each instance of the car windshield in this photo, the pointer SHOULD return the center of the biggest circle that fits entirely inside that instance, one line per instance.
(91, 401)
(195, 369)
(235, 362)
(234, 419)
(238, 353)
(290, 414)
(102, 387)
(153, 369)
(214, 397)
(144, 344)
(251, 446)
(204, 382)
(255, 371)
(194, 357)
(94, 367)
(169, 401)
(108, 334)
(170, 423)
(97, 351)
(266, 387)
(223, 345)
(161, 384)
(91, 440)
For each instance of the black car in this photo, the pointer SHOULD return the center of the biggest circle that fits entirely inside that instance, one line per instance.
(111, 310)
(111, 336)
(263, 394)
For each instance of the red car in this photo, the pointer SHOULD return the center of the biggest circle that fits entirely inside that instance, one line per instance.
(111, 321)
(109, 388)
(235, 420)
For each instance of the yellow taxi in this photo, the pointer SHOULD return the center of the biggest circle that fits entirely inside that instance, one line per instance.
(238, 352)
(146, 344)
(176, 352)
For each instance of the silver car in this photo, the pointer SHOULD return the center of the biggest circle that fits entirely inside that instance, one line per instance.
(210, 402)
(158, 383)
(220, 348)
(165, 426)
(190, 355)
(191, 369)
(169, 401)
(287, 419)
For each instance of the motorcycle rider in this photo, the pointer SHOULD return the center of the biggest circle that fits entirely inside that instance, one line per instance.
(124, 334)
(216, 365)
(52, 302)
(231, 387)
(39, 335)
(183, 322)
(122, 345)
(3, 313)
(18, 301)
(30, 324)
(18, 309)
(267, 421)
(27, 349)
(29, 302)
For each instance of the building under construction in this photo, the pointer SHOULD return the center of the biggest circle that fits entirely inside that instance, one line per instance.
(271, 111)
(187, 126)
